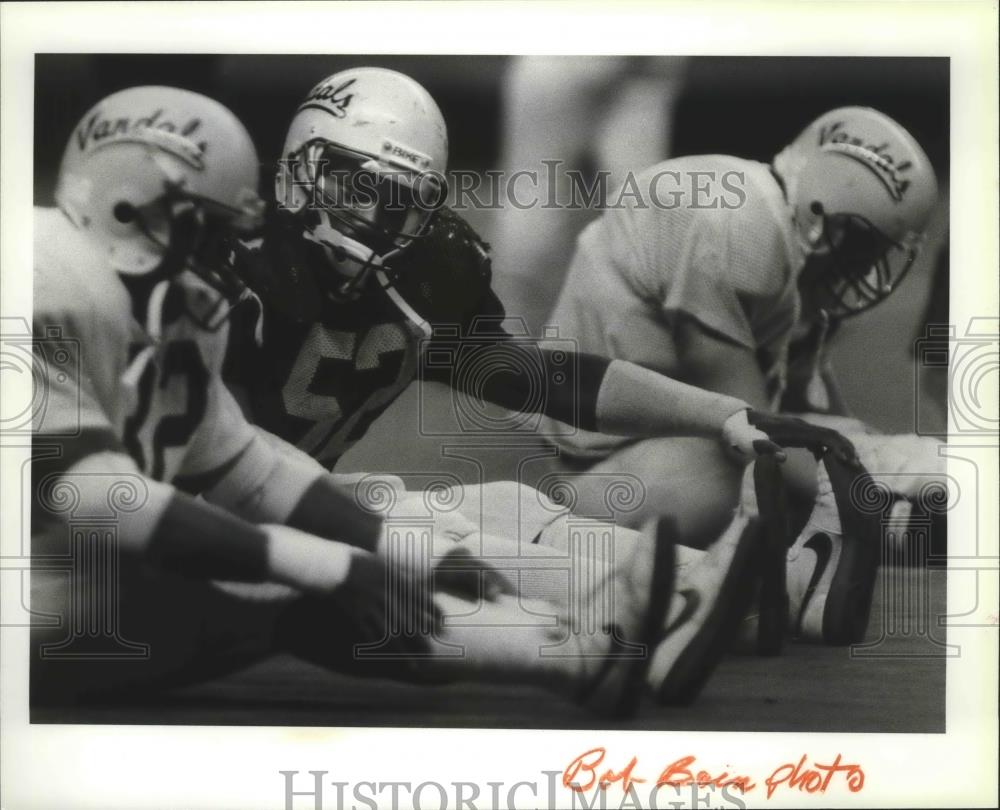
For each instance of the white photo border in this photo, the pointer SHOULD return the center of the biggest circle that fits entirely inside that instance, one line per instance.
(219, 767)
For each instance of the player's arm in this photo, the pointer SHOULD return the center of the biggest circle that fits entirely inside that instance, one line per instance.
(176, 531)
(590, 392)
(273, 484)
(599, 394)
(78, 451)
(621, 398)
(266, 481)
(636, 401)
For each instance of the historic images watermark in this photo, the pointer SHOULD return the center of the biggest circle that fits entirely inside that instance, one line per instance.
(917, 550)
(316, 790)
(73, 518)
(320, 183)
(470, 356)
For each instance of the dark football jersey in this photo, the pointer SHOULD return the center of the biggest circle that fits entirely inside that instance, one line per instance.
(326, 369)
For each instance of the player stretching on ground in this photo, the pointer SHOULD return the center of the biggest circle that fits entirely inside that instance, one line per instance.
(713, 287)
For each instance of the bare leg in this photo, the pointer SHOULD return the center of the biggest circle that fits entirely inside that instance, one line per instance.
(688, 478)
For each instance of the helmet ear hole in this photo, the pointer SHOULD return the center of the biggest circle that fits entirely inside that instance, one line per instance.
(816, 207)
(124, 212)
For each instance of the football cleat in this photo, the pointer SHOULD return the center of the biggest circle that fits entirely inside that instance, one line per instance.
(712, 597)
(642, 584)
(833, 563)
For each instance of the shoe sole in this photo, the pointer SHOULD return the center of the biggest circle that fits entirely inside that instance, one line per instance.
(773, 607)
(632, 672)
(849, 601)
(703, 653)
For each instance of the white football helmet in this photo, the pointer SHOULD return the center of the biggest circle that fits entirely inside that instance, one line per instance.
(862, 191)
(363, 167)
(159, 177)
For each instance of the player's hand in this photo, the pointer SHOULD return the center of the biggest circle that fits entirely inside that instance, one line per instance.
(372, 604)
(456, 568)
(372, 597)
(789, 431)
(462, 573)
(450, 525)
(748, 441)
(308, 563)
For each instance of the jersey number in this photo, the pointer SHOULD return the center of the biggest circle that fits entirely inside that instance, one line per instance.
(329, 344)
(181, 361)
(371, 375)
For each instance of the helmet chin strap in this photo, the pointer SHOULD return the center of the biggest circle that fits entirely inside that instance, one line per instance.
(411, 314)
(149, 291)
(341, 249)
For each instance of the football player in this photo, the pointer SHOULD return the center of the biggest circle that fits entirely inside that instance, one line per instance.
(272, 554)
(730, 274)
(361, 271)
(359, 267)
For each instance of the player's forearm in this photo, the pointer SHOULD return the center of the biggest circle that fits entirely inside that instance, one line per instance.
(164, 527)
(598, 394)
(268, 484)
(197, 539)
(514, 372)
(634, 401)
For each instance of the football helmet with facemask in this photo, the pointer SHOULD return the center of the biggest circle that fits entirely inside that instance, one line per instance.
(362, 170)
(862, 192)
(161, 179)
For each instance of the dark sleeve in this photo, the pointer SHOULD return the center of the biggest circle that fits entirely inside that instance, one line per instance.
(197, 539)
(449, 282)
(518, 374)
(327, 511)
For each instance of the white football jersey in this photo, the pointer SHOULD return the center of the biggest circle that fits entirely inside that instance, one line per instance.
(162, 402)
(708, 236)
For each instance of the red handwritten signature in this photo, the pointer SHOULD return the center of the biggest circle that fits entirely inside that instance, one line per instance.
(587, 772)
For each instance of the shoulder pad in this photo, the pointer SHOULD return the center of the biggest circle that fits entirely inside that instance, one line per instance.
(446, 274)
(452, 246)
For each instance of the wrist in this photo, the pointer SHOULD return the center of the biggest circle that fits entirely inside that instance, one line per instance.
(738, 419)
(304, 561)
(326, 510)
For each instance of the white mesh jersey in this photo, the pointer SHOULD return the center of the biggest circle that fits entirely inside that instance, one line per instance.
(708, 236)
(106, 384)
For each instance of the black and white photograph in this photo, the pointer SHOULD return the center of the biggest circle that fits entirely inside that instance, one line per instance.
(611, 419)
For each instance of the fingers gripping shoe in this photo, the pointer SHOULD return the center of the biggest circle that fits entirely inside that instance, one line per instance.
(833, 563)
(638, 588)
(712, 597)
